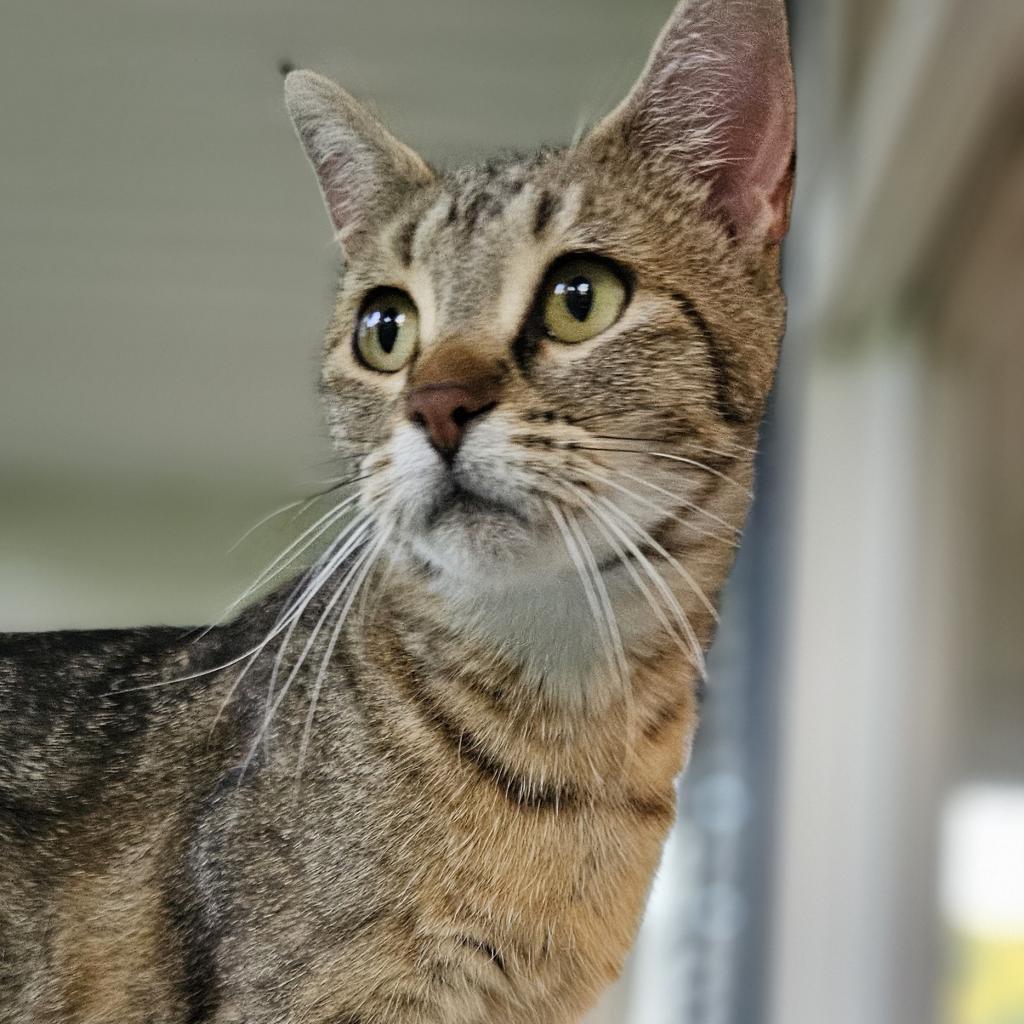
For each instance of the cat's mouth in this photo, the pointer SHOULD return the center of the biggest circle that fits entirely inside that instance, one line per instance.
(456, 501)
(477, 517)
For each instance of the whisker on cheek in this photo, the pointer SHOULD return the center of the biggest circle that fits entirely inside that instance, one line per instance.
(729, 456)
(688, 641)
(681, 459)
(684, 502)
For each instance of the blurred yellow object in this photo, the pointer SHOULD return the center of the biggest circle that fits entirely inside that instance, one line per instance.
(987, 980)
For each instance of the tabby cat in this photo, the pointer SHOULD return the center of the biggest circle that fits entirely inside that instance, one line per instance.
(428, 780)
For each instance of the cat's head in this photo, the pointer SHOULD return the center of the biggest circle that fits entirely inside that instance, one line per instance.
(537, 357)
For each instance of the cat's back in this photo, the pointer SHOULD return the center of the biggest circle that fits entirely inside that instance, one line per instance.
(88, 714)
(72, 705)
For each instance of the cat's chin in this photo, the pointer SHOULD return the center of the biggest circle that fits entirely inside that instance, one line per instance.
(484, 545)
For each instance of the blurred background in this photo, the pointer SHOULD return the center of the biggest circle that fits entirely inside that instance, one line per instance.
(851, 842)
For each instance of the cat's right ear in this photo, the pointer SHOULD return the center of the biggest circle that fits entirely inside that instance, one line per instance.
(361, 166)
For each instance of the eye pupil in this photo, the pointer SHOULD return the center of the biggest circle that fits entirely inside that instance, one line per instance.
(388, 325)
(579, 297)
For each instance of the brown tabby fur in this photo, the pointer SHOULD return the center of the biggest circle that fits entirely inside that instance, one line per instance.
(467, 829)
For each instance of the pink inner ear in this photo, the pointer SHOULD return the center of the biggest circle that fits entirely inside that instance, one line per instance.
(344, 191)
(717, 97)
(753, 184)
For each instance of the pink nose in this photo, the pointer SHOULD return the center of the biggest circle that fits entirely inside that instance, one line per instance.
(444, 411)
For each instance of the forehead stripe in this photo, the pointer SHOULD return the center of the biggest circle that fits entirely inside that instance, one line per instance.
(474, 208)
(424, 222)
(546, 208)
(404, 240)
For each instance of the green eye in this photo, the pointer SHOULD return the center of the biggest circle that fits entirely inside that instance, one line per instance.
(388, 331)
(582, 297)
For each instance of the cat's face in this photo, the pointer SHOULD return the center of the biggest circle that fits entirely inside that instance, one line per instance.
(531, 360)
(515, 336)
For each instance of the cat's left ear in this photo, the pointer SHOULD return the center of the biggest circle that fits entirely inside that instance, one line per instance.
(363, 169)
(716, 102)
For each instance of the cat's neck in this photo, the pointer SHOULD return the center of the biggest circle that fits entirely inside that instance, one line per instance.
(577, 642)
(523, 686)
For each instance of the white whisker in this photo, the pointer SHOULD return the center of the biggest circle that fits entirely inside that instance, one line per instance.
(697, 464)
(333, 485)
(647, 503)
(588, 591)
(288, 621)
(602, 594)
(694, 649)
(367, 565)
(685, 502)
(671, 559)
(266, 519)
(335, 554)
(282, 561)
(608, 529)
(684, 460)
(339, 592)
(307, 589)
